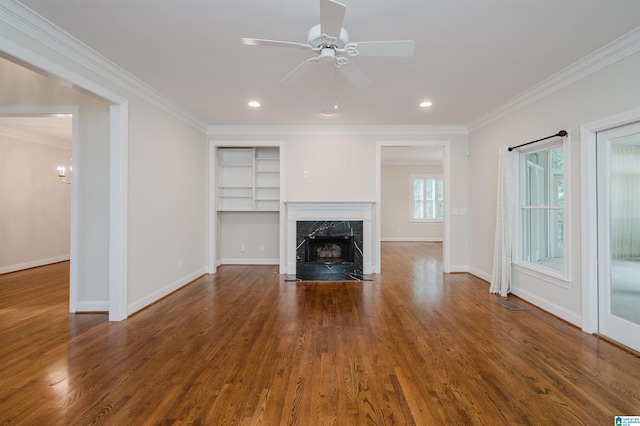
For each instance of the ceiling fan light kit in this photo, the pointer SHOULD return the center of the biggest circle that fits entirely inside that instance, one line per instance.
(331, 43)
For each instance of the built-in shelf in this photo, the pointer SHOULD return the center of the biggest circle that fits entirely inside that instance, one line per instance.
(249, 179)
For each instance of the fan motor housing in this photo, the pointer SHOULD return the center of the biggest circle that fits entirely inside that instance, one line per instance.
(317, 40)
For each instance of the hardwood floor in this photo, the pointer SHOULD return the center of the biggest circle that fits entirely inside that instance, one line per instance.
(414, 346)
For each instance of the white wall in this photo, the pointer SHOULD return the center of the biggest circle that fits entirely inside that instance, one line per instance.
(610, 91)
(396, 199)
(36, 205)
(168, 202)
(256, 232)
(341, 166)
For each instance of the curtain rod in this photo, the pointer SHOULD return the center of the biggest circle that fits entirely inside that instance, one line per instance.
(561, 133)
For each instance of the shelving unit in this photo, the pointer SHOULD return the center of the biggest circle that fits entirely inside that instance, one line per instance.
(249, 179)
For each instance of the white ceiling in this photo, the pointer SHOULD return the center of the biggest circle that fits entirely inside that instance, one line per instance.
(471, 55)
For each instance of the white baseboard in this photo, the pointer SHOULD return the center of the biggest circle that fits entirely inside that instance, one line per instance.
(458, 268)
(33, 264)
(412, 239)
(93, 306)
(550, 307)
(242, 261)
(480, 274)
(159, 294)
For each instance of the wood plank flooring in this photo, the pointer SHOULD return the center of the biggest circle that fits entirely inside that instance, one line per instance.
(245, 347)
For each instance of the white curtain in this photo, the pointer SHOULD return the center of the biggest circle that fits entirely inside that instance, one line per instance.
(505, 222)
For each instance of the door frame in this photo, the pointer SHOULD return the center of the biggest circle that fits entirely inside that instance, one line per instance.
(446, 175)
(118, 170)
(589, 219)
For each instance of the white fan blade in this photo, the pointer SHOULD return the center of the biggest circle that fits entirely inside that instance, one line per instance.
(331, 17)
(355, 75)
(274, 43)
(300, 70)
(385, 48)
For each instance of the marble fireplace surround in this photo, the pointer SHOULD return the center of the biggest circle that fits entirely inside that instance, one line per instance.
(329, 211)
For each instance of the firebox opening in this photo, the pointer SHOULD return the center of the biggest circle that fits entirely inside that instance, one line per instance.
(329, 250)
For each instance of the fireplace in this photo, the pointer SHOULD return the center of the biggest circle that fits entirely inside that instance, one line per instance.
(329, 250)
(316, 231)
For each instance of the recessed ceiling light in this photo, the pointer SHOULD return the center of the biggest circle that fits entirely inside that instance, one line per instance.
(425, 104)
(254, 104)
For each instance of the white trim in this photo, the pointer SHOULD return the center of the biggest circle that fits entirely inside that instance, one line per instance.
(212, 263)
(480, 274)
(453, 269)
(248, 261)
(615, 51)
(93, 306)
(412, 239)
(446, 173)
(33, 264)
(42, 31)
(74, 237)
(378, 130)
(542, 273)
(544, 304)
(589, 227)
(118, 207)
(165, 291)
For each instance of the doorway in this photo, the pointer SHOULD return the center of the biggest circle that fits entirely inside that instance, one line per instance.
(618, 215)
(444, 148)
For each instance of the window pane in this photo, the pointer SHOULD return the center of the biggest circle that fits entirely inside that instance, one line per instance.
(542, 243)
(428, 197)
(418, 199)
(418, 209)
(429, 187)
(557, 158)
(543, 227)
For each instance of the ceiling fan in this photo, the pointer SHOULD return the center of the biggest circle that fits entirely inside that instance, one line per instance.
(331, 43)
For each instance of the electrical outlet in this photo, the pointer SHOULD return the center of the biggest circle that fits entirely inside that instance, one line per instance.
(179, 263)
(261, 247)
(243, 248)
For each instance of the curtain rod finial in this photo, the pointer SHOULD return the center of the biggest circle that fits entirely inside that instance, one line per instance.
(562, 133)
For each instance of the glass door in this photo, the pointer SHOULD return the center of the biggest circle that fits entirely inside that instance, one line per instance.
(618, 163)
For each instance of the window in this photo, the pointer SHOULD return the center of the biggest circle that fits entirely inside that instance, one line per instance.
(542, 205)
(427, 202)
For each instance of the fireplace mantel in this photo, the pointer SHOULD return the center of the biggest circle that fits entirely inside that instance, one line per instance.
(327, 211)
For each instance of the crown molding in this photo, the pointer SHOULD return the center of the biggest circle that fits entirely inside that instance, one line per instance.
(21, 136)
(611, 53)
(377, 130)
(31, 24)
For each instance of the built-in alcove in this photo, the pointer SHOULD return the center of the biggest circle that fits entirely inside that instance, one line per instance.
(246, 190)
